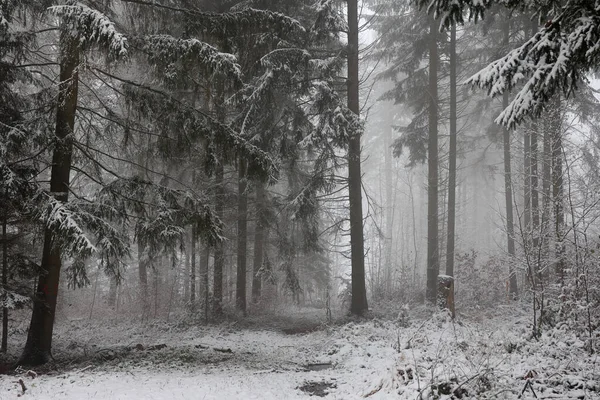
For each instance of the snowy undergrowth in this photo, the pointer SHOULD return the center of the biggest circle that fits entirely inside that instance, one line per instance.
(426, 357)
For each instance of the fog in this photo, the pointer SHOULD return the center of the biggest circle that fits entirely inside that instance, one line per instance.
(283, 199)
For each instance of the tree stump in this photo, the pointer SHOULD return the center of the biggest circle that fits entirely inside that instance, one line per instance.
(445, 293)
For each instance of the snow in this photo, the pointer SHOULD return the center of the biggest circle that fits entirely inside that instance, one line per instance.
(65, 224)
(174, 51)
(91, 26)
(11, 300)
(376, 359)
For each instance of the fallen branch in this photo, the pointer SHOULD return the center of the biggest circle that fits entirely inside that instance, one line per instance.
(23, 387)
(84, 369)
(372, 392)
(530, 385)
(229, 351)
(157, 347)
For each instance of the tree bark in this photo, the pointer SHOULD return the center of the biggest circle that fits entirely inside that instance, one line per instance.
(259, 239)
(155, 286)
(219, 250)
(513, 288)
(193, 266)
(4, 347)
(510, 232)
(535, 199)
(433, 265)
(445, 294)
(205, 290)
(39, 339)
(558, 191)
(452, 158)
(242, 239)
(143, 281)
(527, 185)
(112, 291)
(546, 193)
(389, 209)
(358, 304)
(186, 277)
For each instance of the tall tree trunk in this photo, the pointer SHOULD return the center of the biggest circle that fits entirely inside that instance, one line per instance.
(219, 250)
(546, 193)
(452, 158)
(242, 239)
(527, 186)
(143, 281)
(509, 209)
(205, 289)
(259, 239)
(414, 228)
(433, 263)
(358, 304)
(557, 186)
(389, 208)
(155, 286)
(510, 229)
(186, 277)
(535, 199)
(4, 347)
(112, 291)
(39, 339)
(193, 241)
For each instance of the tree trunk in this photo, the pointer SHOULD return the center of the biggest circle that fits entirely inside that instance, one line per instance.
(219, 250)
(433, 265)
(508, 203)
(527, 186)
(112, 291)
(155, 286)
(186, 277)
(535, 199)
(240, 287)
(546, 193)
(389, 209)
(193, 241)
(259, 239)
(4, 347)
(205, 290)
(39, 339)
(445, 294)
(358, 304)
(452, 158)
(557, 192)
(508, 187)
(143, 281)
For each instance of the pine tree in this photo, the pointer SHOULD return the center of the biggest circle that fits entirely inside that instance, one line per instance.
(359, 292)
(556, 58)
(81, 27)
(450, 246)
(420, 137)
(433, 266)
(242, 234)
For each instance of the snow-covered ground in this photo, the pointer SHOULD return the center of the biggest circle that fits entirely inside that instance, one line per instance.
(484, 358)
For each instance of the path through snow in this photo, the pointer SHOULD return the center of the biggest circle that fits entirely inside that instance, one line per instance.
(374, 359)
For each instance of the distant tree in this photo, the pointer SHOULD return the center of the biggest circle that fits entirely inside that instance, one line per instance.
(412, 38)
(433, 251)
(450, 242)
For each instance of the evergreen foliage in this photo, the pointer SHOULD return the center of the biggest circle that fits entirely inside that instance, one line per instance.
(555, 59)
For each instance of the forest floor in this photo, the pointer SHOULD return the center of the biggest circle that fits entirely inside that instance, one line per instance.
(298, 355)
